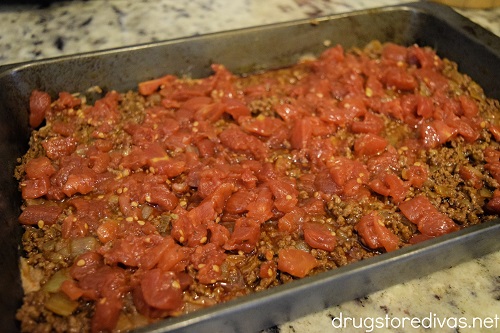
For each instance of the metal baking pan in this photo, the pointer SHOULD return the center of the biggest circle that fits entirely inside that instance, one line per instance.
(476, 50)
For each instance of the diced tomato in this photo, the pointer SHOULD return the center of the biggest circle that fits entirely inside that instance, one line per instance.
(66, 101)
(399, 78)
(207, 254)
(86, 264)
(301, 133)
(343, 169)
(57, 147)
(261, 209)
(436, 132)
(375, 234)
(185, 280)
(107, 286)
(207, 259)
(100, 162)
(235, 108)
(172, 256)
(335, 54)
(469, 106)
(182, 229)
(369, 144)
(428, 219)
(64, 129)
(104, 113)
(144, 308)
(209, 179)
(394, 53)
(495, 131)
(104, 284)
(425, 106)
(219, 234)
(320, 128)
(494, 170)
(296, 262)
(397, 188)
(448, 110)
(432, 79)
(491, 155)
(418, 238)
(149, 87)
(313, 206)
(237, 140)
(416, 107)
(128, 250)
(423, 57)
(466, 130)
(245, 235)
(285, 194)
(471, 175)
(436, 224)
(161, 290)
(103, 145)
(212, 205)
(263, 126)
(416, 175)
(493, 204)
(443, 131)
(355, 189)
(163, 197)
(291, 221)
(323, 181)
(94, 209)
(154, 153)
(71, 289)
(209, 274)
(39, 106)
(267, 270)
(199, 232)
(392, 108)
(107, 231)
(335, 114)
(206, 147)
(107, 312)
(74, 227)
(33, 214)
(415, 208)
(289, 112)
(171, 167)
(187, 110)
(39, 167)
(81, 181)
(238, 201)
(209, 113)
(35, 188)
(370, 123)
(378, 185)
(153, 253)
(318, 236)
(219, 196)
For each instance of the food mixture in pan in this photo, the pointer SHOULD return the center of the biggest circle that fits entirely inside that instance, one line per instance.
(191, 192)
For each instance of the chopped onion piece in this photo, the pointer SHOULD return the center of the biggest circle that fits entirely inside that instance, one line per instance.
(54, 283)
(61, 304)
(83, 245)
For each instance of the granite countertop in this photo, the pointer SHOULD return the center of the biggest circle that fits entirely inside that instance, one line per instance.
(32, 31)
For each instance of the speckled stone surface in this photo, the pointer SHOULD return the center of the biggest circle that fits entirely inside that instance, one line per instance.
(30, 32)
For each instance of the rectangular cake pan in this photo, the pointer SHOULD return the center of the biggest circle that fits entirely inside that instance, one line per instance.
(476, 50)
